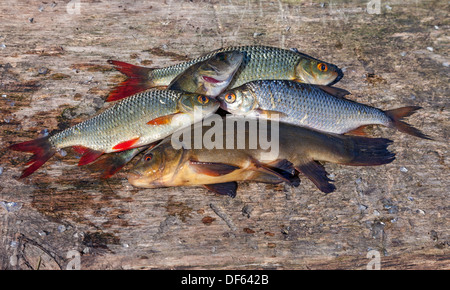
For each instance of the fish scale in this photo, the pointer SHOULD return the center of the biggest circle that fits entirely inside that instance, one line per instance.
(281, 65)
(105, 130)
(304, 105)
(259, 63)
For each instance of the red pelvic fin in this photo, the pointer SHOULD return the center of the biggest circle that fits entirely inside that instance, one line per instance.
(397, 115)
(138, 80)
(89, 155)
(126, 144)
(79, 149)
(42, 150)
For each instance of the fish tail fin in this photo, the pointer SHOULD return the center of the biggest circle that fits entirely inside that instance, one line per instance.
(108, 166)
(138, 80)
(370, 151)
(396, 116)
(114, 162)
(42, 149)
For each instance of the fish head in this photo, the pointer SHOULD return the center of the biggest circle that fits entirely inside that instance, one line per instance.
(317, 72)
(156, 167)
(238, 101)
(215, 74)
(197, 105)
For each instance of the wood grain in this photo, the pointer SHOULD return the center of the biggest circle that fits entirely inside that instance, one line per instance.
(53, 74)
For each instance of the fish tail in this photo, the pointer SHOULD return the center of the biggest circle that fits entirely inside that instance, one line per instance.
(138, 80)
(370, 151)
(112, 163)
(396, 116)
(42, 149)
(108, 166)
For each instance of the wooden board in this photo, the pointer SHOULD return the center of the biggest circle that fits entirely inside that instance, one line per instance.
(54, 74)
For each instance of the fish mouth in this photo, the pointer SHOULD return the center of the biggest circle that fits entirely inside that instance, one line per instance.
(212, 80)
(340, 75)
(222, 103)
(134, 175)
(135, 178)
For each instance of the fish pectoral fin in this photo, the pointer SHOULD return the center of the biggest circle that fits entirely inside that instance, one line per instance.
(163, 120)
(270, 113)
(212, 168)
(336, 92)
(317, 174)
(227, 188)
(89, 155)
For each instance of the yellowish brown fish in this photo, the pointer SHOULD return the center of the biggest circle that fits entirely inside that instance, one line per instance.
(299, 150)
(259, 63)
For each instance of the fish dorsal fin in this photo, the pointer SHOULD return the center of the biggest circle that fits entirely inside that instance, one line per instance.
(336, 92)
(317, 174)
(212, 168)
(227, 188)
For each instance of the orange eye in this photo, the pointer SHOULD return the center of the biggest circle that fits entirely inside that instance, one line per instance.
(230, 98)
(203, 99)
(322, 67)
(148, 157)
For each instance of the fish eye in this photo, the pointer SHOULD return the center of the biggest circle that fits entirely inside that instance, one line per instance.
(322, 67)
(230, 98)
(203, 99)
(222, 56)
(148, 157)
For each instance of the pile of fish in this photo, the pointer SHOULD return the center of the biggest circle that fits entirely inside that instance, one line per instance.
(288, 94)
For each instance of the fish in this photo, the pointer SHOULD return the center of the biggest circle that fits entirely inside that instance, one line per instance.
(136, 121)
(259, 62)
(208, 77)
(300, 151)
(109, 165)
(313, 106)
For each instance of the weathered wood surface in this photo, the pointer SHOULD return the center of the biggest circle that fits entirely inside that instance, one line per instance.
(53, 74)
